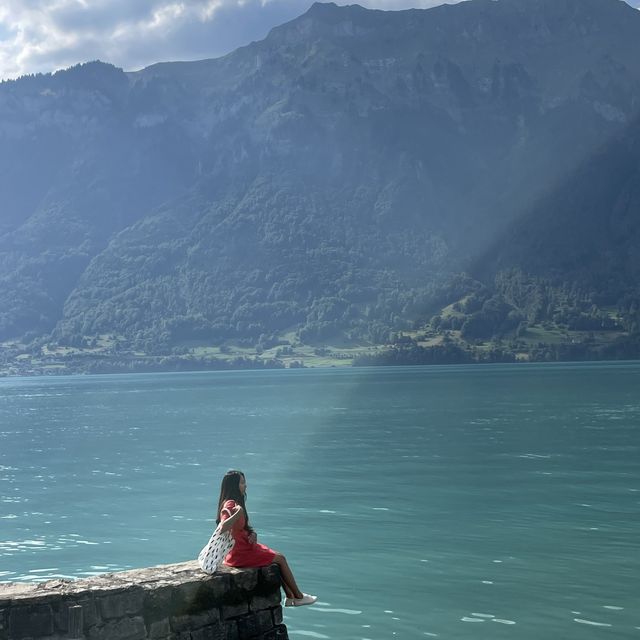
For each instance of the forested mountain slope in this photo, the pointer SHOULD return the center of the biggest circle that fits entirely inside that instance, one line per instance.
(349, 176)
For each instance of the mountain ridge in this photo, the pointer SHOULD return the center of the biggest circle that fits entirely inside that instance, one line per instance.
(328, 180)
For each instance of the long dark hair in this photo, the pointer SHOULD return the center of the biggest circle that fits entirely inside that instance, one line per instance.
(230, 490)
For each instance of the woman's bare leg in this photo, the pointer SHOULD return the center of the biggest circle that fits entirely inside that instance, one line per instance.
(288, 581)
(287, 591)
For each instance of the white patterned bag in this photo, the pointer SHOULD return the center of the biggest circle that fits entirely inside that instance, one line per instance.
(215, 551)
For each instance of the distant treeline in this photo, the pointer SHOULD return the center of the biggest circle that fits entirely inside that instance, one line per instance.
(627, 348)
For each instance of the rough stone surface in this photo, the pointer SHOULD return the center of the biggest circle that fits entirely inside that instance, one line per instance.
(235, 610)
(231, 630)
(159, 629)
(157, 604)
(214, 632)
(269, 577)
(167, 602)
(126, 602)
(244, 580)
(219, 586)
(90, 615)
(248, 626)
(265, 602)
(197, 621)
(123, 629)
(265, 619)
(31, 620)
(4, 622)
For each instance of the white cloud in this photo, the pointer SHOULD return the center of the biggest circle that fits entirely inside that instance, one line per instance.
(45, 35)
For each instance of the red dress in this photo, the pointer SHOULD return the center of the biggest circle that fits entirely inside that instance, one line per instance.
(244, 553)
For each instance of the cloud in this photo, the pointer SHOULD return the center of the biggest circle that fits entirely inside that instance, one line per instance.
(45, 35)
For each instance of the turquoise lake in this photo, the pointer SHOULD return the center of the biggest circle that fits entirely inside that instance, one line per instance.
(462, 502)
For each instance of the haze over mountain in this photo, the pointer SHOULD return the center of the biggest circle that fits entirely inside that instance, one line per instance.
(349, 175)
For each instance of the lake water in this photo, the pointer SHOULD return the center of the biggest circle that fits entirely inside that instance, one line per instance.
(476, 502)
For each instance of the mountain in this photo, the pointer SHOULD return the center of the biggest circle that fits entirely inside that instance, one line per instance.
(350, 175)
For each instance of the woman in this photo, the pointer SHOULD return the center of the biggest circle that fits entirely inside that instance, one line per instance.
(247, 552)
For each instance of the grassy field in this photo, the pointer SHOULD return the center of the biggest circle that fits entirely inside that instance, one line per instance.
(306, 355)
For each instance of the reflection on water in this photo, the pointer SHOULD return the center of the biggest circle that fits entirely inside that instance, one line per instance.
(448, 502)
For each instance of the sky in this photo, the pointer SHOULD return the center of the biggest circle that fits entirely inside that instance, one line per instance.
(46, 35)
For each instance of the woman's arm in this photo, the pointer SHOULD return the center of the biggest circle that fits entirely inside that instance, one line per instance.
(228, 523)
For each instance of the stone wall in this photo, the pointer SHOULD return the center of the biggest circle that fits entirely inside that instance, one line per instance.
(168, 602)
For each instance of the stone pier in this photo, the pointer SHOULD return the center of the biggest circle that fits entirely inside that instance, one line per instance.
(167, 602)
